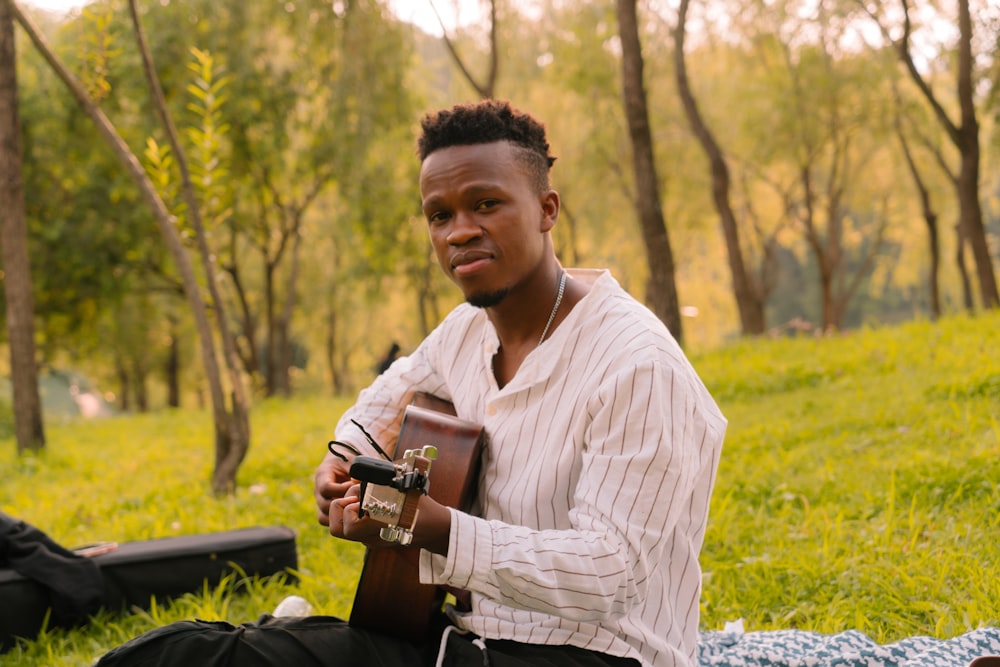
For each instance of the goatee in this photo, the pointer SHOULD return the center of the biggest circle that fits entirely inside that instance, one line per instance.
(487, 299)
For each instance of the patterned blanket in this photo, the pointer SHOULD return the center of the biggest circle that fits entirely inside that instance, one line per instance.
(798, 648)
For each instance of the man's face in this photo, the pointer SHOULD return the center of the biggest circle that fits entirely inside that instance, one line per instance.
(487, 220)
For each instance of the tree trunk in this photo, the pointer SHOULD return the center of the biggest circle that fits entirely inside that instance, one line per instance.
(749, 301)
(972, 221)
(821, 254)
(285, 319)
(248, 323)
(29, 431)
(141, 377)
(828, 319)
(968, 177)
(271, 351)
(336, 383)
(661, 292)
(930, 219)
(173, 367)
(963, 271)
(487, 89)
(572, 257)
(124, 384)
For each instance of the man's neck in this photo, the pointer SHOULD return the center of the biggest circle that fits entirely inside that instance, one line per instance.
(520, 333)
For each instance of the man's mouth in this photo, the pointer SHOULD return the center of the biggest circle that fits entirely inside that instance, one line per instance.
(468, 262)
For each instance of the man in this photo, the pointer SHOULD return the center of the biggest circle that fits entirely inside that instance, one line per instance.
(602, 443)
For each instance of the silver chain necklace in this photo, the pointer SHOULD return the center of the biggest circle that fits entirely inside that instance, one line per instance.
(555, 308)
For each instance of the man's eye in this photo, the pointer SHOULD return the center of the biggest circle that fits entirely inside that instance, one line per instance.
(486, 204)
(437, 217)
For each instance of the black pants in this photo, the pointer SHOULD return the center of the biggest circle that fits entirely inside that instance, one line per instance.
(325, 641)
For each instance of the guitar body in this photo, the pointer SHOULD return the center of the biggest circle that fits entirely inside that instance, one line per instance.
(390, 598)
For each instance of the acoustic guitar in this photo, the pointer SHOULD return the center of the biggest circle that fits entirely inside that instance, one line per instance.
(390, 598)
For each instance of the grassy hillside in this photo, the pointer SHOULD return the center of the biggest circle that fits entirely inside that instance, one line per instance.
(860, 482)
(859, 488)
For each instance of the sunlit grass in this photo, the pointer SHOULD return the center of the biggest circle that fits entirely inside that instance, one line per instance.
(859, 488)
(860, 482)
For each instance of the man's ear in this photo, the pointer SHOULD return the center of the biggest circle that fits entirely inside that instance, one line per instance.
(550, 209)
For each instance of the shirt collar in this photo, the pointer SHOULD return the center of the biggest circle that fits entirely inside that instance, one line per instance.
(542, 362)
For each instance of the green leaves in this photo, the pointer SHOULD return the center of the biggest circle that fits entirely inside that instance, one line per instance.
(207, 137)
(97, 51)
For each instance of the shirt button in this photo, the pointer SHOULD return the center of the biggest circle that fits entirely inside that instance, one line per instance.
(491, 410)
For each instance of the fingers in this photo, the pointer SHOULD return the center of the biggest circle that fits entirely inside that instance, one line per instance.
(343, 512)
(331, 481)
(346, 524)
(326, 493)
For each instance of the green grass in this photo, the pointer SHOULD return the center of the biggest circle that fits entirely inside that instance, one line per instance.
(860, 482)
(859, 488)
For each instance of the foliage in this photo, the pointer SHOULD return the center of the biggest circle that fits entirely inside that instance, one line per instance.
(98, 50)
(321, 100)
(86, 229)
(857, 489)
(302, 118)
(206, 137)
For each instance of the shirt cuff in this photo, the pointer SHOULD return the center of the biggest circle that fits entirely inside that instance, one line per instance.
(470, 554)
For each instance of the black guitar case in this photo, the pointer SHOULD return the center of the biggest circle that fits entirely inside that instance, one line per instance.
(38, 577)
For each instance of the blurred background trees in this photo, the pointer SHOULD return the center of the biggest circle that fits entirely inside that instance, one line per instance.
(841, 132)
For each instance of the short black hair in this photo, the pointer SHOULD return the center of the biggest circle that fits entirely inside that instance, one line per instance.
(484, 123)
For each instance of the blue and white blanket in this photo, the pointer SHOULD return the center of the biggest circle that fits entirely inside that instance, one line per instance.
(798, 648)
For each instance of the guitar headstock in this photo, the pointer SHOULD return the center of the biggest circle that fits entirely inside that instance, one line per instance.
(391, 490)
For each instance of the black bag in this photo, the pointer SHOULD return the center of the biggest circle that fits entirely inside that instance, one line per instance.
(135, 572)
(39, 577)
(169, 567)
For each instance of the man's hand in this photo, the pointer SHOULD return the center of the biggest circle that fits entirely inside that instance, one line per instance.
(345, 523)
(337, 502)
(332, 481)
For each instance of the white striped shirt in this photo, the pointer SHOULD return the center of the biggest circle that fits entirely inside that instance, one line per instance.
(595, 484)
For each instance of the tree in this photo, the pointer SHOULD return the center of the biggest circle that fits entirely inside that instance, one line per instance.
(828, 168)
(750, 299)
(314, 95)
(226, 430)
(87, 228)
(824, 146)
(231, 448)
(661, 293)
(963, 133)
(16, 277)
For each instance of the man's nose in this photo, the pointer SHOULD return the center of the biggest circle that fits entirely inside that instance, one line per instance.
(464, 228)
